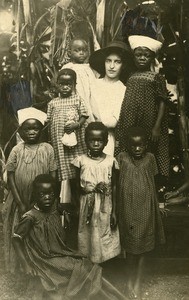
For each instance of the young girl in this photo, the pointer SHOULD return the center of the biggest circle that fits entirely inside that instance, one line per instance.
(67, 114)
(26, 160)
(139, 216)
(98, 236)
(39, 243)
(145, 101)
(79, 55)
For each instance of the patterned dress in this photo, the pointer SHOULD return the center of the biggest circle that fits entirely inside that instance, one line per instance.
(59, 268)
(140, 221)
(26, 161)
(140, 108)
(96, 240)
(58, 114)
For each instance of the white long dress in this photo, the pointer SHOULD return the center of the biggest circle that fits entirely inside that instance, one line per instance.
(107, 101)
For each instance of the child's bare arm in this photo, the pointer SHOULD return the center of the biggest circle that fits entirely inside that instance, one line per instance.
(14, 190)
(156, 130)
(115, 175)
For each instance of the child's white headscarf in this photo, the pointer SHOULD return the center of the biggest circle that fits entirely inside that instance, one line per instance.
(31, 113)
(136, 41)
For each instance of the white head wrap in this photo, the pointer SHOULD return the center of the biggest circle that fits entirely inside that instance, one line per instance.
(31, 113)
(136, 41)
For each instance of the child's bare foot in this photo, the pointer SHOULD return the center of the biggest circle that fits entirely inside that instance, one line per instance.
(130, 291)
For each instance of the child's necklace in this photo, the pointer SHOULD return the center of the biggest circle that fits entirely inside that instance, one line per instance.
(29, 159)
(99, 158)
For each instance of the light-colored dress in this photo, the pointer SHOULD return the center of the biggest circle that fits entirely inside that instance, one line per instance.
(108, 98)
(84, 84)
(96, 239)
(140, 221)
(58, 113)
(26, 161)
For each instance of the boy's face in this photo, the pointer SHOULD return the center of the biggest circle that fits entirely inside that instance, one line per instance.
(143, 58)
(79, 52)
(137, 147)
(65, 83)
(30, 131)
(45, 195)
(95, 142)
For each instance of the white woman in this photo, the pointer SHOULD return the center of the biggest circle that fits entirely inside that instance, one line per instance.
(113, 64)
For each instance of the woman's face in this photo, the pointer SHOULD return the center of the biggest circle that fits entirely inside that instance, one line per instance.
(113, 66)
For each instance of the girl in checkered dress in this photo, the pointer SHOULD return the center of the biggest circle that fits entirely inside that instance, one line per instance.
(67, 114)
(139, 217)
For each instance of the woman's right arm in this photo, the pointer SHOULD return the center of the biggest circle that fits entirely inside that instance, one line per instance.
(14, 190)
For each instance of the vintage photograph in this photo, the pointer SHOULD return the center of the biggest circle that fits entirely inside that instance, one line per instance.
(94, 149)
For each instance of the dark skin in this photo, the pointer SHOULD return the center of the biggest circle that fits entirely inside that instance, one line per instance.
(45, 198)
(30, 132)
(66, 85)
(143, 58)
(95, 143)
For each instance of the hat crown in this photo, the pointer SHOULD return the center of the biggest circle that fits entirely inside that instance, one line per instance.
(118, 44)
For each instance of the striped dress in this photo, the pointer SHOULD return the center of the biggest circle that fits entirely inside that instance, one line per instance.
(26, 161)
(58, 113)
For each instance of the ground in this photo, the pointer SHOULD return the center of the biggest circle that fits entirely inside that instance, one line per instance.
(164, 278)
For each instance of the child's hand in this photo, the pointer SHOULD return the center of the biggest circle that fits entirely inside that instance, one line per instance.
(170, 195)
(164, 211)
(69, 128)
(113, 221)
(101, 187)
(156, 132)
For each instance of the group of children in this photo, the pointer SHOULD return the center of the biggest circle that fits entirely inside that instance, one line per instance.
(118, 205)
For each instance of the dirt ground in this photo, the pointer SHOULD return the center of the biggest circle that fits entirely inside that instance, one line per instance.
(164, 279)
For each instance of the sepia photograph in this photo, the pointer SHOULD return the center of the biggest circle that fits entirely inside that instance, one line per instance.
(94, 149)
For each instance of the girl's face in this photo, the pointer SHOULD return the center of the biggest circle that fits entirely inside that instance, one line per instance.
(30, 131)
(137, 147)
(79, 52)
(143, 58)
(113, 66)
(95, 142)
(45, 196)
(66, 85)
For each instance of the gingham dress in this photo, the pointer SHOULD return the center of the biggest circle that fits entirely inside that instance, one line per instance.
(140, 108)
(140, 221)
(57, 115)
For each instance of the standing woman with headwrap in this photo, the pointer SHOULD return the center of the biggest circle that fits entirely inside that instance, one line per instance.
(145, 100)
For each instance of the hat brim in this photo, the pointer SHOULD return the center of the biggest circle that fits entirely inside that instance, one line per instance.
(97, 58)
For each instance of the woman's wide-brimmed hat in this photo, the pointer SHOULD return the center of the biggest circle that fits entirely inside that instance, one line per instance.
(97, 58)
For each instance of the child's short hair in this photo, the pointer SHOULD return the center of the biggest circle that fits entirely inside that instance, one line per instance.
(43, 178)
(69, 72)
(77, 39)
(96, 126)
(134, 132)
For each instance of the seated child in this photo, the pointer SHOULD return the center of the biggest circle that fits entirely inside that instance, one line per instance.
(39, 242)
(85, 76)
